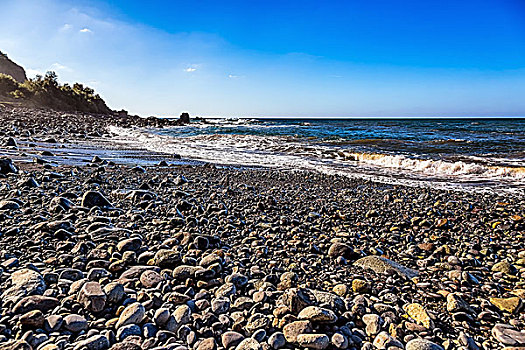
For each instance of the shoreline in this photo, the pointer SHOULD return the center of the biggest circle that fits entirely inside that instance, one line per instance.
(133, 255)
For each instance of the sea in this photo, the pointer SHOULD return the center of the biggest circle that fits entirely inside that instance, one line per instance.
(459, 154)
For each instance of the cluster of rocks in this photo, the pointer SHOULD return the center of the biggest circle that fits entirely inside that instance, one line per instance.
(109, 256)
(81, 126)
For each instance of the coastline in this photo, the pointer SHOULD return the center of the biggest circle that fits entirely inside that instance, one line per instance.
(265, 251)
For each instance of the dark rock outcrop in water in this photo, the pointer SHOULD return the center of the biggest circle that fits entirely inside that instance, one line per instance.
(9, 67)
(184, 118)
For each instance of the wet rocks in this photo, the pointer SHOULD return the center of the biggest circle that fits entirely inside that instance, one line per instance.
(503, 266)
(374, 323)
(207, 344)
(150, 278)
(296, 299)
(166, 258)
(33, 319)
(277, 340)
(249, 344)
(114, 292)
(9, 205)
(385, 341)
(360, 286)
(130, 244)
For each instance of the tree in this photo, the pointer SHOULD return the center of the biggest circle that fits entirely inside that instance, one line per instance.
(51, 79)
(46, 91)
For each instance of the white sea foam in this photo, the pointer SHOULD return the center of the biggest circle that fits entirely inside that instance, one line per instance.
(436, 167)
(288, 153)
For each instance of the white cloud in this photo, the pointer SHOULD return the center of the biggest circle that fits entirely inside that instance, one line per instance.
(66, 27)
(59, 67)
(86, 30)
(31, 73)
(190, 69)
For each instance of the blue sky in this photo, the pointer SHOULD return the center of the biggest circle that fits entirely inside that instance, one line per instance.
(280, 58)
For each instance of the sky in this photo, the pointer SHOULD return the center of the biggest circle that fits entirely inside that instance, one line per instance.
(345, 58)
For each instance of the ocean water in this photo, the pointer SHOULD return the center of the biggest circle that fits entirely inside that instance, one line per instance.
(470, 154)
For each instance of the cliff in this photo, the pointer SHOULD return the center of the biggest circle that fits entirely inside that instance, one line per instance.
(11, 68)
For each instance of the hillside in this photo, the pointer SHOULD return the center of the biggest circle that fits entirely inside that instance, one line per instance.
(12, 69)
(46, 91)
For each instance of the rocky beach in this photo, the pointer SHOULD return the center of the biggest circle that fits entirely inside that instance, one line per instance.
(145, 251)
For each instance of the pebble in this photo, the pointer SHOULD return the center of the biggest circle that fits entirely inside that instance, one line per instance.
(422, 344)
(75, 323)
(317, 314)
(231, 339)
(92, 297)
(313, 341)
(510, 305)
(508, 335)
(132, 314)
(277, 340)
(92, 199)
(385, 266)
(96, 342)
(249, 344)
(292, 330)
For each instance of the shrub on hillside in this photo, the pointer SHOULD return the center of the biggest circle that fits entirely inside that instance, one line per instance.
(46, 91)
(7, 84)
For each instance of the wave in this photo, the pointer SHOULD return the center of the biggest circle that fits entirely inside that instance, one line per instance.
(341, 141)
(449, 141)
(289, 153)
(435, 167)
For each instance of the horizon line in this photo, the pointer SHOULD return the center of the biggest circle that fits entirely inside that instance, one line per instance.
(353, 117)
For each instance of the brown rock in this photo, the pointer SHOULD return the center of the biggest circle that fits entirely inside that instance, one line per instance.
(16, 345)
(510, 305)
(150, 278)
(207, 344)
(35, 302)
(92, 297)
(33, 319)
(293, 330)
(297, 299)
